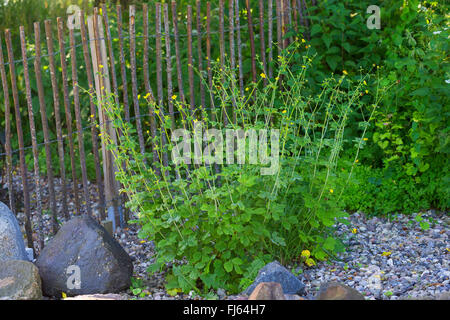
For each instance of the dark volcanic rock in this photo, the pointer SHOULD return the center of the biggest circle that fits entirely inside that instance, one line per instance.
(11, 241)
(104, 265)
(275, 272)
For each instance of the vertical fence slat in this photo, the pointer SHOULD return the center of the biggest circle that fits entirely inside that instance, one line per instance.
(262, 38)
(270, 36)
(158, 53)
(232, 55)
(123, 70)
(199, 54)
(149, 92)
(190, 62)
(178, 55)
(252, 39)
(168, 65)
(104, 93)
(294, 13)
(222, 53)
(8, 150)
(93, 117)
(23, 172)
(159, 81)
(37, 178)
(279, 26)
(100, 96)
(68, 112)
(43, 112)
(134, 87)
(238, 36)
(76, 102)
(112, 60)
(55, 89)
(208, 60)
(112, 63)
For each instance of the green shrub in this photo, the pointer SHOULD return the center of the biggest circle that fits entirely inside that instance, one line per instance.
(221, 227)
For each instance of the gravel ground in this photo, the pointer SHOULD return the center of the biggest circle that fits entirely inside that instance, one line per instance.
(385, 258)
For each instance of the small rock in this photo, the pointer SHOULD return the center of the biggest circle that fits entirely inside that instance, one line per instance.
(267, 291)
(293, 297)
(338, 291)
(19, 280)
(97, 297)
(275, 272)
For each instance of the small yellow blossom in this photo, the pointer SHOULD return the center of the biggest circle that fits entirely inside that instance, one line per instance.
(356, 161)
(365, 139)
(386, 254)
(100, 66)
(263, 75)
(367, 91)
(306, 254)
(303, 40)
(345, 72)
(174, 97)
(64, 295)
(365, 83)
(284, 111)
(331, 190)
(354, 230)
(246, 89)
(310, 262)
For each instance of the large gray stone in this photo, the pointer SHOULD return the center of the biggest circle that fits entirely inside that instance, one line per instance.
(275, 272)
(11, 241)
(104, 265)
(19, 280)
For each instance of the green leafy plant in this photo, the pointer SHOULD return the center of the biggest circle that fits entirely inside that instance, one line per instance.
(221, 226)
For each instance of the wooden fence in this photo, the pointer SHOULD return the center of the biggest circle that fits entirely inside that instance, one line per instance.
(106, 69)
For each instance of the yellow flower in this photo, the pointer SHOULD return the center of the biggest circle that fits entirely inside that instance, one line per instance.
(331, 190)
(367, 91)
(64, 295)
(139, 96)
(345, 72)
(284, 111)
(174, 97)
(365, 83)
(306, 254)
(147, 95)
(100, 66)
(386, 254)
(356, 161)
(310, 262)
(303, 40)
(246, 89)
(303, 66)
(263, 75)
(277, 78)
(307, 46)
(353, 14)
(365, 139)
(354, 230)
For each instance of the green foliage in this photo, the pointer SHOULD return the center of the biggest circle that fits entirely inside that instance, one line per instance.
(390, 190)
(223, 226)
